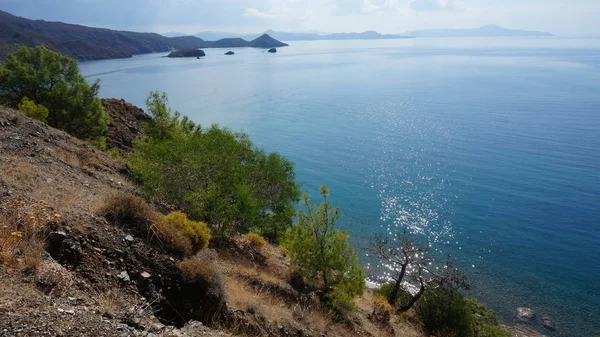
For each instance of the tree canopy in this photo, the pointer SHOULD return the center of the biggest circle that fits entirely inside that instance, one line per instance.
(53, 81)
(216, 175)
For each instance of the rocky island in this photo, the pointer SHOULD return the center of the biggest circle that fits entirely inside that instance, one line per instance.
(189, 52)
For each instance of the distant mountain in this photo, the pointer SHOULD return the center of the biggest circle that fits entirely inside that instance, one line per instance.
(266, 41)
(88, 43)
(290, 36)
(484, 31)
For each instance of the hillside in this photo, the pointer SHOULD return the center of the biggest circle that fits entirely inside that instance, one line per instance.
(484, 31)
(88, 43)
(97, 276)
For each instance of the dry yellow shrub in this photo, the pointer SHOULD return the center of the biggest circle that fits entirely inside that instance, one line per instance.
(197, 232)
(256, 240)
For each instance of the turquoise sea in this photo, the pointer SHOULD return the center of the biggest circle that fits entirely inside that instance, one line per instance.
(490, 147)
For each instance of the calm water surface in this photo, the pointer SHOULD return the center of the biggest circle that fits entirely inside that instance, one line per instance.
(490, 147)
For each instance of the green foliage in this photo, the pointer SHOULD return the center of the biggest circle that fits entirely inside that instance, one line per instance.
(53, 81)
(214, 174)
(447, 313)
(197, 232)
(116, 154)
(165, 123)
(322, 255)
(386, 289)
(100, 143)
(485, 321)
(30, 109)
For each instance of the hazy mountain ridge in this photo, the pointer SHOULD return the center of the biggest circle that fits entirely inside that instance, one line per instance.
(292, 36)
(483, 31)
(90, 43)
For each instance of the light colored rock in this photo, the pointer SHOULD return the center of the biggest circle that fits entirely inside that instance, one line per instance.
(525, 314)
(129, 238)
(145, 274)
(124, 276)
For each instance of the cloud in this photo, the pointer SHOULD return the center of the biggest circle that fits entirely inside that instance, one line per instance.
(433, 5)
(253, 12)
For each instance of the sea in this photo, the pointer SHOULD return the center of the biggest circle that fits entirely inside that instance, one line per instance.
(489, 147)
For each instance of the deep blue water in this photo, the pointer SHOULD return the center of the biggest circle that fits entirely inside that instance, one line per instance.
(491, 147)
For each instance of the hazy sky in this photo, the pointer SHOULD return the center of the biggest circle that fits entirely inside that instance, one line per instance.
(565, 17)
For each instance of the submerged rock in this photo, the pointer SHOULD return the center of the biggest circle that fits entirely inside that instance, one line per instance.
(273, 50)
(525, 314)
(548, 323)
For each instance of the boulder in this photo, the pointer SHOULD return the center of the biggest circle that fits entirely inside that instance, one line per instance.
(548, 323)
(525, 314)
(272, 50)
(229, 53)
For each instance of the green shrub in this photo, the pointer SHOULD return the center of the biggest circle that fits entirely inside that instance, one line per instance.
(445, 313)
(215, 175)
(448, 313)
(30, 109)
(486, 323)
(386, 289)
(321, 254)
(197, 232)
(53, 81)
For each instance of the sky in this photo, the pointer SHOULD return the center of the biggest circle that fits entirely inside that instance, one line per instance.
(561, 17)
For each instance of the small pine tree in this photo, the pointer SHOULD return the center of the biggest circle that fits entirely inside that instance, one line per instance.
(321, 253)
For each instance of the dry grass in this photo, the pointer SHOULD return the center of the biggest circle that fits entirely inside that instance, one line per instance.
(108, 303)
(22, 224)
(126, 210)
(200, 267)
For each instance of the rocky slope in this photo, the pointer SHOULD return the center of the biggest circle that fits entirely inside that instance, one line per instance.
(125, 126)
(89, 275)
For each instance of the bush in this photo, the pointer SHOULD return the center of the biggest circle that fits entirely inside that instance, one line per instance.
(199, 268)
(202, 283)
(53, 81)
(125, 209)
(30, 109)
(215, 175)
(446, 312)
(382, 311)
(256, 240)
(197, 232)
(322, 255)
(385, 290)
